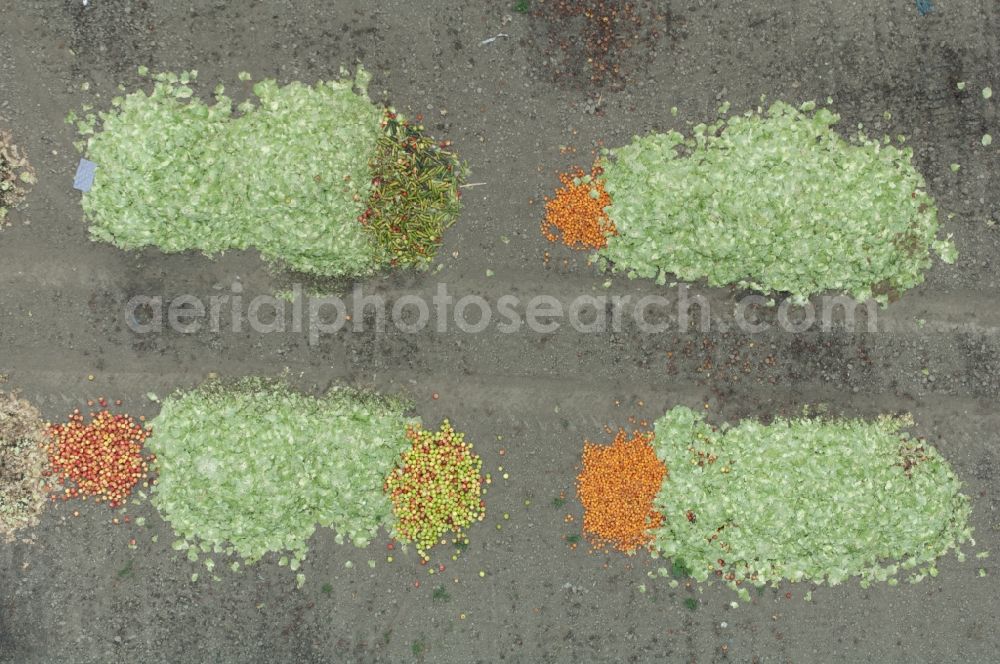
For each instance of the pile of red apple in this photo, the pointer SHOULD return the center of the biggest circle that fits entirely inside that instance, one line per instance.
(101, 458)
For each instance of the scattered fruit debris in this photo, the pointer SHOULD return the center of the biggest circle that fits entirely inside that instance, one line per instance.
(22, 465)
(16, 174)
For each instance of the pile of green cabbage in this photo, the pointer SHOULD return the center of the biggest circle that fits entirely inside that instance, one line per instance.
(775, 201)
(255, 467)
(288, 175)
(804, 499)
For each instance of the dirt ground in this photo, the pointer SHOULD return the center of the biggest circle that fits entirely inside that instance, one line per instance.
(516, 108)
